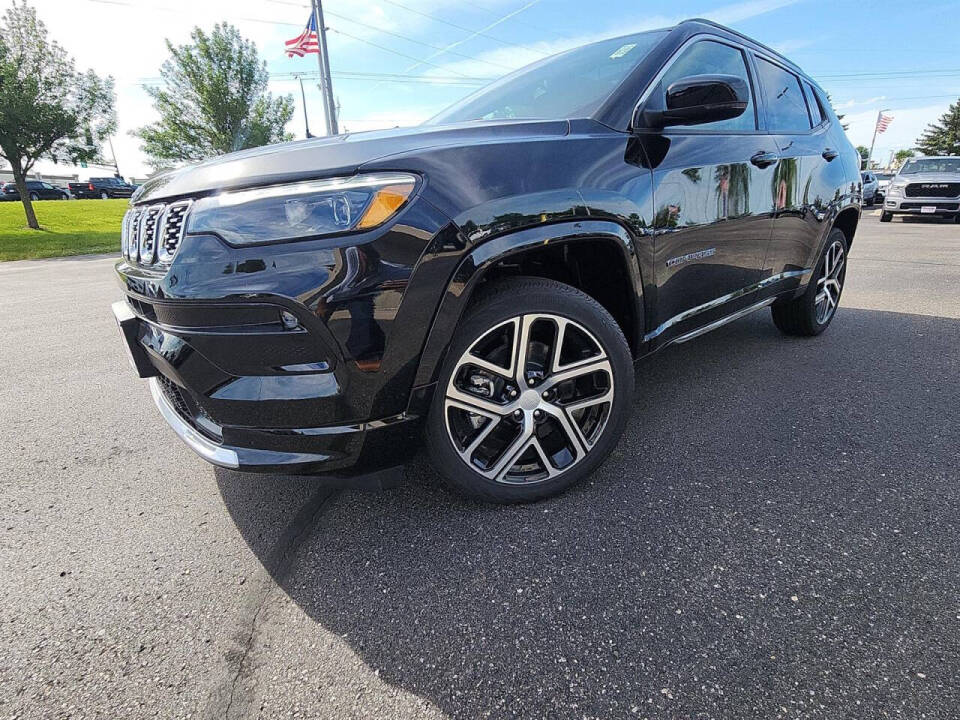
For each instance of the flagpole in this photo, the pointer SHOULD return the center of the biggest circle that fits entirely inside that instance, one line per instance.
(303, 96)
(323, 60)
(872, 142)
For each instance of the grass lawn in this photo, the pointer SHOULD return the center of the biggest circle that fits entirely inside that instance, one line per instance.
(70, 227)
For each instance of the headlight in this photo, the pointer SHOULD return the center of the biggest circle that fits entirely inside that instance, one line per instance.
(302, 209)
(895, 188)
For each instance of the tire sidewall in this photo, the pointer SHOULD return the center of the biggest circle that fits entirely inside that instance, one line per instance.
(496, 309)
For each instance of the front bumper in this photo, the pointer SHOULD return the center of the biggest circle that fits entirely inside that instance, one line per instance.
(175, 369)
(899, 204)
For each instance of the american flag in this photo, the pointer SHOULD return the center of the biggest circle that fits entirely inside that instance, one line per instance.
(306, 42)
(883, 122)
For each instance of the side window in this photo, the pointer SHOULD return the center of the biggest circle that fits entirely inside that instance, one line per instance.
(713, 58)
(786, 108)
(816, 114)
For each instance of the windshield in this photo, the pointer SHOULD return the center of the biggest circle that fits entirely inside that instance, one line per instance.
(931, 165)
(571, 84)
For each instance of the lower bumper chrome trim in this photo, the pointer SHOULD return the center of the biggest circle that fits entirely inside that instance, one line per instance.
(207, 449)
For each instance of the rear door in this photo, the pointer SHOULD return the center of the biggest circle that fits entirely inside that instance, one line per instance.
(712, 213)
(809, 176)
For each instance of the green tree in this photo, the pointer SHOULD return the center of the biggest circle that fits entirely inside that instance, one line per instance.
(942, 138)
(902, 156)
(214, 100)
(47, 109)
(864, 153)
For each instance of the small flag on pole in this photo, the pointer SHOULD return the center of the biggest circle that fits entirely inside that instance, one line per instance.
(306, 42)
(883, 122)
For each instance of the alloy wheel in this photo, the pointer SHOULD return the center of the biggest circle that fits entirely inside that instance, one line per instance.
(830, 282)
(529, 399)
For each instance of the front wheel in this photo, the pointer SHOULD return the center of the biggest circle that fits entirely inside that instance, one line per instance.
(104, 195)
(534, 394)
(810, 313)
(886, 217)
(34, 197)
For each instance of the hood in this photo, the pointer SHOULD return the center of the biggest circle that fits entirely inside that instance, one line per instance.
(330, 156)
(928, 178)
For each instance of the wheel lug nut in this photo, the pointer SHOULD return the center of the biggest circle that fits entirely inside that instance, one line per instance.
(546, 394)
(518, 415)
(537, 414)
(531, 381)
(513, 392)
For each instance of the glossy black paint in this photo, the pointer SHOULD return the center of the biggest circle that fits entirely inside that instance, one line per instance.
(695, 225)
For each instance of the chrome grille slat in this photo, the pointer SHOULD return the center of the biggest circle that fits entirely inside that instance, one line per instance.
(152, 234)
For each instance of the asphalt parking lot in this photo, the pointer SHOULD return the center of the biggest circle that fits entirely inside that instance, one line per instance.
(777, 536)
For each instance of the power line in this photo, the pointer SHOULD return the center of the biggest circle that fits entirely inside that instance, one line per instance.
(477, 33)
(461, 27)
(397, 35)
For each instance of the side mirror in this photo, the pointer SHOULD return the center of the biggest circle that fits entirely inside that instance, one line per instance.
(696, 100)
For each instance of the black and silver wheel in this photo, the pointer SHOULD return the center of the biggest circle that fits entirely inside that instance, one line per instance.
(810, 313)
(534, 395)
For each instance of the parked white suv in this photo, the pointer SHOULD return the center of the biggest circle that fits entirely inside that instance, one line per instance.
(925, 186)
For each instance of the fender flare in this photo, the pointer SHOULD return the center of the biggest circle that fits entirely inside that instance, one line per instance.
(478, 260)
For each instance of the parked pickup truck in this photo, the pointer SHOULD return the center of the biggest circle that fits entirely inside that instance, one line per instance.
(103, 188)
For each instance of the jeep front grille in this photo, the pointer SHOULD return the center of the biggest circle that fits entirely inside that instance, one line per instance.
(152, 234)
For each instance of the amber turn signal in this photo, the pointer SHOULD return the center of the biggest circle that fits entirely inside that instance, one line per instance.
(387, 201)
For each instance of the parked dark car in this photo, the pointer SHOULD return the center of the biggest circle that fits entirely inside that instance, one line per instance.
(486, 280)
(103, 188)
(37, 189)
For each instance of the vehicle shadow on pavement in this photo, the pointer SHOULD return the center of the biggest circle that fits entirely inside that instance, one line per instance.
(778, 534)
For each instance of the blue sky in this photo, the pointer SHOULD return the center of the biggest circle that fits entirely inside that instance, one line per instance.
(900, 56)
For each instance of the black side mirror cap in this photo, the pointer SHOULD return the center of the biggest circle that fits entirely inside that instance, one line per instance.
(696, 100)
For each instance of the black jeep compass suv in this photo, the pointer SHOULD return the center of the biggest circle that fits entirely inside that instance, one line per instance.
(484, 281)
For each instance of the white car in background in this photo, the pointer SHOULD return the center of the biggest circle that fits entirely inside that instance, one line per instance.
(925, 186)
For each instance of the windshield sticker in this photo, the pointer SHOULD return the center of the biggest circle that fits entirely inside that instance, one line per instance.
(623, 50)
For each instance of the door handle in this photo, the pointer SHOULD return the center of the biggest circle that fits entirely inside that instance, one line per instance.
(829, 154)
(764, 159)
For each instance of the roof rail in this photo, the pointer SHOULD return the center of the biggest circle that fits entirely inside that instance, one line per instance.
(704, 21)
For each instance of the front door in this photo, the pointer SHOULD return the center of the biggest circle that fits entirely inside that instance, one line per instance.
(712, 212)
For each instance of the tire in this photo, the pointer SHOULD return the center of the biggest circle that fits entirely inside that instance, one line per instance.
(812, 312)
(541, 446)
(871, 202)
(886, 217)
(104, 195)
(34, 197)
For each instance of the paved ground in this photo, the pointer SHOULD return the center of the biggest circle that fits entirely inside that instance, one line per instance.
(778, 535)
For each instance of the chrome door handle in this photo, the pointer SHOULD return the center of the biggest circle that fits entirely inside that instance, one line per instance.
(764, 159)
(829, 154)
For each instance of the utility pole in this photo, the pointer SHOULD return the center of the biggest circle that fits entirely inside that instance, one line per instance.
(116, 168)
(326, 83)
(875, 125)
(303, 96)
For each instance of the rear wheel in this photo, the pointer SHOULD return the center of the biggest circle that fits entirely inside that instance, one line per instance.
(886, 217)
(34, 197)
(534, 394)
(810, 313)
(104, 195)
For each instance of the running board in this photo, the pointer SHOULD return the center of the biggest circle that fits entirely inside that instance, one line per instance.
(722, 321)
